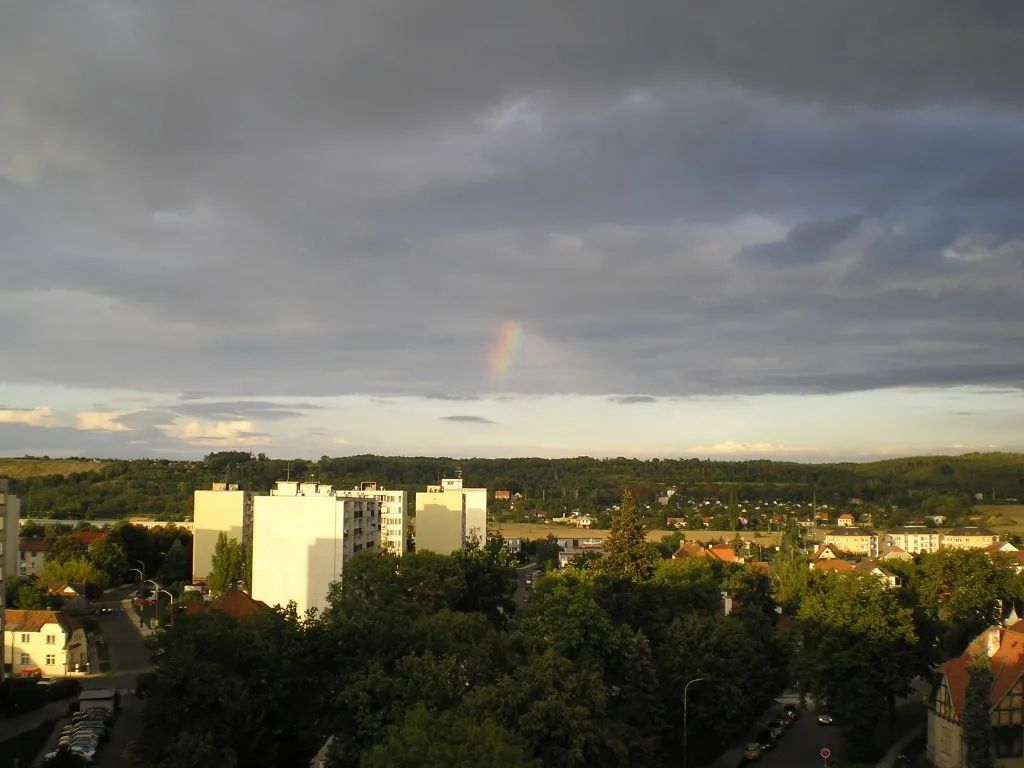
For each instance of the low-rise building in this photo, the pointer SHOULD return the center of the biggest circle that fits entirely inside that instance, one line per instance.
(846, 520)
(857, 541)
(72, 595)
(969, 537)
(45, 643)
(872, 568)
(894, 553)
(32, 554)
(1004, 645)
(915, 539)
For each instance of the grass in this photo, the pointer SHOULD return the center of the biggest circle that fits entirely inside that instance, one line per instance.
(1004, 516)
(19, 469)
(540, 531)
(25, 747)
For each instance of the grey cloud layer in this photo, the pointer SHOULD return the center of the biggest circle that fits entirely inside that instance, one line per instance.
(673, 198)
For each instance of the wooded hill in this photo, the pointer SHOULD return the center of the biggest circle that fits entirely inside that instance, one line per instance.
(163, 488)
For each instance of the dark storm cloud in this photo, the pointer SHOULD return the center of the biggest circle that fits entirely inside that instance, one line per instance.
(263, 199)
(467, 419)
(633, 399)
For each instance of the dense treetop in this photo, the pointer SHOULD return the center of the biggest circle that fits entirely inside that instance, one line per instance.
(163, 488)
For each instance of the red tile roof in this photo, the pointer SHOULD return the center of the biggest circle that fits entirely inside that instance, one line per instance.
(691, 549)
(88, 537)
(234, 602)
(35, 544)
(33, 621)
(1007, 664)
(834, 566)
(822, 549)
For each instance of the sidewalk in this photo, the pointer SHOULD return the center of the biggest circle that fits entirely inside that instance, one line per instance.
(133, 617)
(896, 749)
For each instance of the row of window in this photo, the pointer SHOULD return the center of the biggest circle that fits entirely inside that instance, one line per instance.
(50, 639)
(51, 659)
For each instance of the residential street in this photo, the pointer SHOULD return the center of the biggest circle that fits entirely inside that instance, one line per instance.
(130, 658)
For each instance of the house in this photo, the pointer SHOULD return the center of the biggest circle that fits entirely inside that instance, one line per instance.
(513, 545)
(871, 568)
(233, 602)
(44, 643)
(858, 541)
(914, 539)
(805, 522)
(1004, 645)
(89, 537)
(565, 557)
(584, 521)
(1009, 552)
(502, 495)
(32, 554)
(827, 552)
(969, 537)
(722, 552)
(894, 553)
(846, 520)
(831, 566)
(72, 595)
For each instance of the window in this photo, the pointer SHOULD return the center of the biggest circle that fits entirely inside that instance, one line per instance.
(25, 659)
(1009, 741)
(51, 659)
(26, 638)
(51, 639)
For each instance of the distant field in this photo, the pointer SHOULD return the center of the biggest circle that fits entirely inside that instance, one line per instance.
(535, 531)
(1004, 516)
(22, 468)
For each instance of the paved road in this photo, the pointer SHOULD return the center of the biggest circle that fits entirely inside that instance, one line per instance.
(525, 573)
(130, 658)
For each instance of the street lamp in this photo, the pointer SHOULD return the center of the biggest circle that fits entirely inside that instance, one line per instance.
(686, 735)
(142, 576)
(156, 602)
(169, 595)
(143, 568)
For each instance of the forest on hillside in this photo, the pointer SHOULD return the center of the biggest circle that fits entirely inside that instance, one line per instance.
(163, 489)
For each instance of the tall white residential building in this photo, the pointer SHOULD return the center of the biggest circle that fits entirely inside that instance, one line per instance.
(302, 535)
(449, 516)
(394, 515)
(10, 520)
(223, 509)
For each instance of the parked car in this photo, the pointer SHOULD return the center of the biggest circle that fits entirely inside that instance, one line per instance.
(766, 740)
(793, 710)
(825, 719)
(786, 718)
(753, 751)
(776, 728)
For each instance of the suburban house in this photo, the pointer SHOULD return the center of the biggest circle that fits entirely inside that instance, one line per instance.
(831, 565)
(1004, 645)
(72, 595)
(969, 537)
(914, 539)
(827, 552)
(233, 602)
(502, 495)
(573, 547)
(89, 537)
(1010, 552)
(44, 643)
(893, 552)
(513, 545)
(871, 568)
(846, 521)
(722, 552)
(32, 554)
(858, 541)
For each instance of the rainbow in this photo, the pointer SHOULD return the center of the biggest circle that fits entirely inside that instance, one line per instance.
(505, 348)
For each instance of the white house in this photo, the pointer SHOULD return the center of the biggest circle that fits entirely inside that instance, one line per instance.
(46, 643)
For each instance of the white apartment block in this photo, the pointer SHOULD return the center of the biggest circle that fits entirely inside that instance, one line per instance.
(394, 516)
(969, 537)
(440, 520)
(222, 509)
(914, 539)
(302, 535)
(859, 541)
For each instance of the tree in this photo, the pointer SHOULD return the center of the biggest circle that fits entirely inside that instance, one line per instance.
(68, 548)
(74, 571)
(32, 530)
(626, 550)
(109, 557)
(25, 595)
(227, 566)
(177, 565)
(977, 720)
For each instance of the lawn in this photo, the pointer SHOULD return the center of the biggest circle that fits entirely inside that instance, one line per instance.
(540, 531)
(22, 468)
(23, 749)
(1003, 516)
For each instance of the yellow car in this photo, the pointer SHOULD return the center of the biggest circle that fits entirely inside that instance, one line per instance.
(753, 751)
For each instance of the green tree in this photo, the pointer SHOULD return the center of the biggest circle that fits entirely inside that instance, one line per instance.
(626, 550)
(177, 565)
(78, 571)
(977, 721)
(67, 548)
(427, 739)
(227, 566)
(32, 530)
(25, 595)
(108, 557)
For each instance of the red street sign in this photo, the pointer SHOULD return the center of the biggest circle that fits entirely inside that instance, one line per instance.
(826, 753)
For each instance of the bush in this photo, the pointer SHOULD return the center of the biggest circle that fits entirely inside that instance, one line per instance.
(20, 696)
(64, 688)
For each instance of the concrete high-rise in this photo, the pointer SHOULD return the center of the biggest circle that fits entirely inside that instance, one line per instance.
(10, 519)
(302, 535)
(223, 509)
(394, 516)
(450, 516)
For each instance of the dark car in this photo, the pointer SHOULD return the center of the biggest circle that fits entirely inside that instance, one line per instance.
(766, 740)
(792, 710)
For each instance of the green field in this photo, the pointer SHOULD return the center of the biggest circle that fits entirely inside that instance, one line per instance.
(1004, 516)
(540, 531)
(22, 468)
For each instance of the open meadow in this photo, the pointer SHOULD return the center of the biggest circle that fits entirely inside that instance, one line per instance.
(22, 468)
(1003, 518)
(540, 531)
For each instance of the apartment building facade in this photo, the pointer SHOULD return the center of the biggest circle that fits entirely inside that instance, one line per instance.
(915, 539)
(222, 509)
(302, 534)
(394, 511)
(858, 541)
(440, 520)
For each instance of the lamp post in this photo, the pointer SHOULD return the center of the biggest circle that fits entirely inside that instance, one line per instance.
(171, 598)
(143, 567)
(156, 603)
(686, 735)
(142, 576)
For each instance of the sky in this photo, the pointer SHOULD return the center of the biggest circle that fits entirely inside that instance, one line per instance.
(784, 229)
